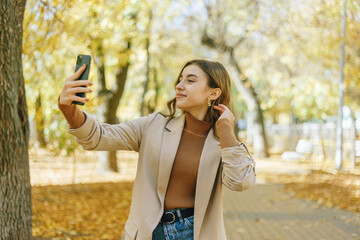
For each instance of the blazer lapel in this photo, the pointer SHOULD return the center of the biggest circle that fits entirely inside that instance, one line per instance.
(208, 167)
(169, 145)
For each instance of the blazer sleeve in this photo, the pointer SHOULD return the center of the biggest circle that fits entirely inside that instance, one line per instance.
(96, 136)
(238, 169)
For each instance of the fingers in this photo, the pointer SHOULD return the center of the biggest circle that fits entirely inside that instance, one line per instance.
(80, 99)
(77, 74)
(67, 99)
(220, 107)
(73, 86)
(78, 83)
(223, 106)
(80, 89)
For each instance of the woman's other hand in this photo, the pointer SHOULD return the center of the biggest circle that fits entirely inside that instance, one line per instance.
(225, 127)
(72, 86)
(225, 113)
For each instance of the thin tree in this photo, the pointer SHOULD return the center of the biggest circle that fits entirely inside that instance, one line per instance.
(339, 130)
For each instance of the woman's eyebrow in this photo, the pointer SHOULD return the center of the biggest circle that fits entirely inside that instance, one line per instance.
(190, 75)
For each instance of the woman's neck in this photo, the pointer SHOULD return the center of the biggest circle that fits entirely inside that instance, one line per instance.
(196, 126)
(199, 115)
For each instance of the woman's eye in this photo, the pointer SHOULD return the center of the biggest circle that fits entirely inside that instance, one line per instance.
(178, 81)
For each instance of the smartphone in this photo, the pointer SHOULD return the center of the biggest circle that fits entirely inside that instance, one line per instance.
(80, 60)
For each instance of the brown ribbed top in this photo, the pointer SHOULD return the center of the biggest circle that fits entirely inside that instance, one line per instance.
(181, 187)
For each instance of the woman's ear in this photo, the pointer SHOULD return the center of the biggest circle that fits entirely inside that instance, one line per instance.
(215, 93)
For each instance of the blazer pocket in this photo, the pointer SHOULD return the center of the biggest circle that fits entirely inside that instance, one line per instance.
(131, 229)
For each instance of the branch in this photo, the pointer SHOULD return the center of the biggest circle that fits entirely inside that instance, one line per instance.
(216, 44)
(254, 16)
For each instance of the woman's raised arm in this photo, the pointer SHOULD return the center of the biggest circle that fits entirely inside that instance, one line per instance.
(74, 116)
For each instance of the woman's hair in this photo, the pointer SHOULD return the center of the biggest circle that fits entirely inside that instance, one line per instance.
(218, 77)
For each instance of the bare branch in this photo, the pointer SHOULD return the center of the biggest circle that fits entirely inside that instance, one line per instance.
(252, 20)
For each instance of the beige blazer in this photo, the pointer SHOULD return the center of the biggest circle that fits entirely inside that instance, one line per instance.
(156, 138)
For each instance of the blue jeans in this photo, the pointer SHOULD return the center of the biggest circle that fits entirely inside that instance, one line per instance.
(183, 229)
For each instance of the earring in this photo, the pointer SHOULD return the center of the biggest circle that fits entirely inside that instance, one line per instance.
(209, 102)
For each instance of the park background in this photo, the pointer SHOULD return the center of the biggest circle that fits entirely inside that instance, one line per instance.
(284, 60)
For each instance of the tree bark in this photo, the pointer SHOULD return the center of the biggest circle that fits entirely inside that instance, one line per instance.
(15, 189)
(39, 122)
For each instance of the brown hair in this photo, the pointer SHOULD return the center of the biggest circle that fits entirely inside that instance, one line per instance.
(218, 77)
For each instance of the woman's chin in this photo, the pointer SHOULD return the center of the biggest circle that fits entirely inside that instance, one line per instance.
(181, 107)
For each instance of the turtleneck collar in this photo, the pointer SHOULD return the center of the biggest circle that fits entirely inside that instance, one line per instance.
(196, 126)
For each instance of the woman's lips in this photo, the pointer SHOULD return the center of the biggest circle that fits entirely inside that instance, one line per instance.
(180, 95)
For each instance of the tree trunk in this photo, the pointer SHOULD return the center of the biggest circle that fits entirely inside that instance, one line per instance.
(258, 136)
(39, 121)
(353, 139)
(157, 91)
(253, 103)
(15, 189)
(109, 99)
(144, 105)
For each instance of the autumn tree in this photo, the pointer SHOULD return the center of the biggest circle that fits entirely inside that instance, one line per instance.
(110, 96)
(217, 34)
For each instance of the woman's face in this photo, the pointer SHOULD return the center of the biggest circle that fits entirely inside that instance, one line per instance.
(193, 84)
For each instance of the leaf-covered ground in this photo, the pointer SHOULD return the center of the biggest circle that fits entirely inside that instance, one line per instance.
(97, 205)
(72, 200)
(333, 190)
(81, 211)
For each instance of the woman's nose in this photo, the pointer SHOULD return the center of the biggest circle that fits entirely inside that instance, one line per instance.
(179, 86)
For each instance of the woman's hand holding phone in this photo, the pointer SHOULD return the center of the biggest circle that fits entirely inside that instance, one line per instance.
(73, 86)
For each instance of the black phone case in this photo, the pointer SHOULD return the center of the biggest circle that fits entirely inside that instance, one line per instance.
(80, 60)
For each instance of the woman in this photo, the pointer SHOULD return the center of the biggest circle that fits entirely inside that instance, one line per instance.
(183, 160)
